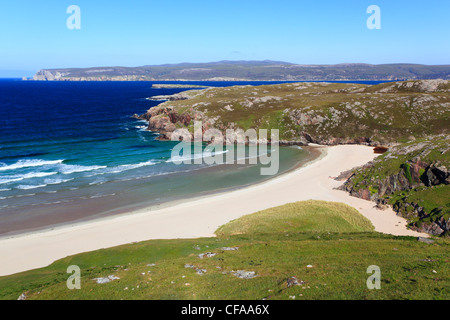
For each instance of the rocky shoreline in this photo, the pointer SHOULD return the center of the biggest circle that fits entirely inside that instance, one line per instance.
(411, 178)
(165, 121)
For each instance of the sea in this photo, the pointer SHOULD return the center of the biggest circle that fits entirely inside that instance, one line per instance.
(71, 151)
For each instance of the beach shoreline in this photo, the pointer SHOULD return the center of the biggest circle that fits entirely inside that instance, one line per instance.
(40, 220)
(201, 216)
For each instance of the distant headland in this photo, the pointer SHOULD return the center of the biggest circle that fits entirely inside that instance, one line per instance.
(266, 70)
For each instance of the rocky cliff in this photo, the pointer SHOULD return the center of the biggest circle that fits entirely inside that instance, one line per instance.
(413, 178)
(323, 113)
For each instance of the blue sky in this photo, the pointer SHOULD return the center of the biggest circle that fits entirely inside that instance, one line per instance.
(34, 35)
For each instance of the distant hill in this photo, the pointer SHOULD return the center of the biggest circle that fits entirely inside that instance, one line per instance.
(249, 70)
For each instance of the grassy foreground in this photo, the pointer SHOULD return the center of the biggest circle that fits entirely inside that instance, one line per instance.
(326, 246)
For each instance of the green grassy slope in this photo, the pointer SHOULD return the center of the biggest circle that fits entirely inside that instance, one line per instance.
(305, 216)
(329, 261)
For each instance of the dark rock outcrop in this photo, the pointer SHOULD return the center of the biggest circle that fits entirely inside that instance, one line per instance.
(397, 188)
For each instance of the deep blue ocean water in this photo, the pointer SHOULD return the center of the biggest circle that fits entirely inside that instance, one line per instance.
(71, 150)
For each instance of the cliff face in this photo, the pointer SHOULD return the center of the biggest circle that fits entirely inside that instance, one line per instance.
(48, 75)
(68, 75)
(414, 179)
(165, 120)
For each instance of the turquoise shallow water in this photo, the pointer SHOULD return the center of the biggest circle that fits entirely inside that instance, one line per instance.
(71, 151)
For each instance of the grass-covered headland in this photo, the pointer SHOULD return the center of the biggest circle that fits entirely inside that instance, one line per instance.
(323, 113)
(304, 250)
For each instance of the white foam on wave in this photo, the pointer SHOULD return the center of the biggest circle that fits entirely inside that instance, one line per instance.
(25, 195)
(27, 187)
(97, 182)
(29, 163)
(30, 175)
(207, 154)
(56, 181)
(4, 181)
(180, 159)
(74, 168)
(101, 195)
(123, 167)
(142, 128)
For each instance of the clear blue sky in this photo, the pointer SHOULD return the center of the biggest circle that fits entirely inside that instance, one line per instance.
(33, 34)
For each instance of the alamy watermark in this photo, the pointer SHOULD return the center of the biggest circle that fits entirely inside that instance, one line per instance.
(374, 281)
(249, 147)
(74, 281)
(74, 20)
(374, 20)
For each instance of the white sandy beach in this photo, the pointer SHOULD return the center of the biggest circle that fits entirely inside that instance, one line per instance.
(201, 217)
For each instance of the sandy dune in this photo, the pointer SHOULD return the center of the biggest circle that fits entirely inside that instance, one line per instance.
(200, 217)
